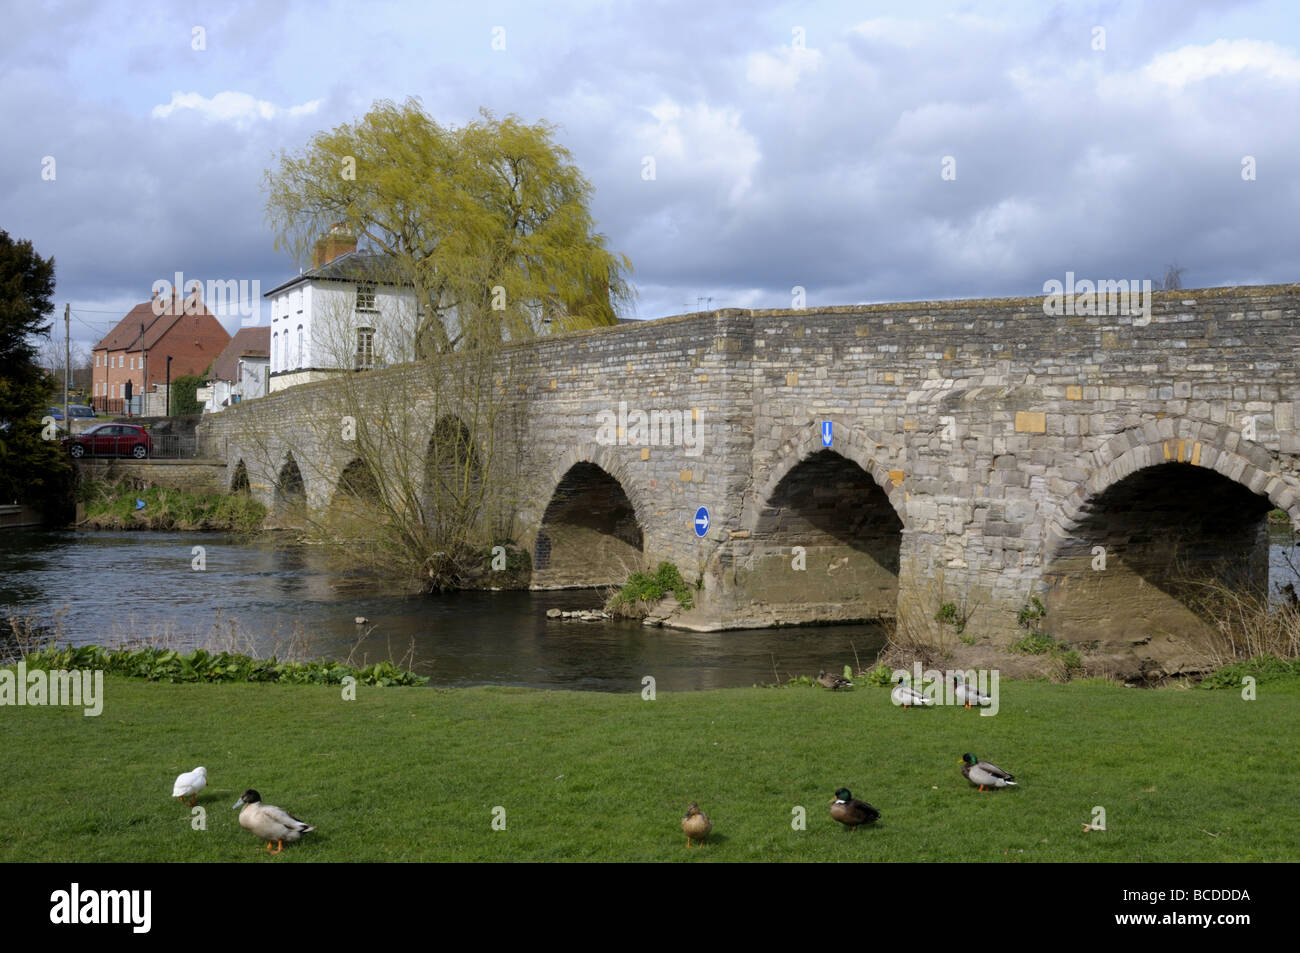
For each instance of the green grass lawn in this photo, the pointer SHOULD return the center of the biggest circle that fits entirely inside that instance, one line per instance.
(414, 774)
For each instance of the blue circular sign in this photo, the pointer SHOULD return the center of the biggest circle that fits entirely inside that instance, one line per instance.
(701, 521)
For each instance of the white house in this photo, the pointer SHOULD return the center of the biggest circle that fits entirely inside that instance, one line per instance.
(345, 313)
(240, 372)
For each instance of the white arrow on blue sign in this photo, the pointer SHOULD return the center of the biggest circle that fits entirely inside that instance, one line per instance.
(701, 521)
(826, 433)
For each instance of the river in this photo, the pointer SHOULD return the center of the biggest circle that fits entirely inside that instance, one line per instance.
(106, 587)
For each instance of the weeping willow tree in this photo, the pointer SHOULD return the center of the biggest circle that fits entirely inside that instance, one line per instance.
(469, 240)
(488, 224)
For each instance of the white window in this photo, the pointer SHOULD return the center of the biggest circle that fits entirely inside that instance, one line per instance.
(132, 363)
(366, 296)
(299, 361)
(365, 348)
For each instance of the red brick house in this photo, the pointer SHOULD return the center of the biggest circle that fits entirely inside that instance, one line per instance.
(141, 343)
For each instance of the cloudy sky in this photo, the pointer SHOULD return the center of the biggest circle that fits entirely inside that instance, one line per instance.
(864, 151)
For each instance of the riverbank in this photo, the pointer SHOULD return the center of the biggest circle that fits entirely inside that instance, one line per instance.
(415, 774)
(117, 506)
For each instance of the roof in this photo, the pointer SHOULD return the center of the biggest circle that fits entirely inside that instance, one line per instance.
(126, 335)
(247, 342)
(352, 266)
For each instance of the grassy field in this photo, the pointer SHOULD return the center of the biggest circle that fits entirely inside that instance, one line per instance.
(414, 774)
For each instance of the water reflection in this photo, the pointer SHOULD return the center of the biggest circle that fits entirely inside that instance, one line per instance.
(108, 587)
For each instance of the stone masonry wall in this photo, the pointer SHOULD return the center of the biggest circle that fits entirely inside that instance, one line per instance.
(183, 475)
(987, 425)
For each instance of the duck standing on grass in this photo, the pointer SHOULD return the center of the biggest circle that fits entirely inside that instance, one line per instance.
(190, 784)
(965, 694)
(269, 822)
(833, 681)
(851, 812)
(907, 696)
(696, 825)
(984, 773)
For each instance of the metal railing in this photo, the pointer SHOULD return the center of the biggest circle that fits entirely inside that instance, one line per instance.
(109, 405)
(134, 446)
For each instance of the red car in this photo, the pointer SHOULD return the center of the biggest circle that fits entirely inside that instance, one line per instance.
(111, 440)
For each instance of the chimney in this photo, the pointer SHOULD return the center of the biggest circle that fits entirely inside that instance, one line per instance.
(338, 241)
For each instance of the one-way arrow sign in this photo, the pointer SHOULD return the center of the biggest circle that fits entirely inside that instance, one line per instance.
(701, 521)
(826, 433)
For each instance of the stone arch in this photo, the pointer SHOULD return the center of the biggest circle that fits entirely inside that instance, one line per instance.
(357, 481)
(1162, 508)
(590, 533)
(1174, 440)
(290, 488)
(824, 534)
(858, 445)
(239, 480)
(355, 508)
(451, 446)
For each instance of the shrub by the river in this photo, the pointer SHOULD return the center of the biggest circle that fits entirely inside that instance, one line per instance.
(651, 587)
(169, 665)
(113, 506)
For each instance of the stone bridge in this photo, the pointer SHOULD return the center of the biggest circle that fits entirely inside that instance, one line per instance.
(980, 453)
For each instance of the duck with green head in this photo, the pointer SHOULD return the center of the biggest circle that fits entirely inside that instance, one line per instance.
(268, 822)
(909, 697)
(984, 773)
(851, 812)
(968, 694)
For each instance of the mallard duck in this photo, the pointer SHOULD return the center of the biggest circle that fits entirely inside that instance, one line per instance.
(190, 784)
(696, 824)
(269, 822)
(833, 681)
(907, 696)
(965, 694)
(984, 773)
(851, 812)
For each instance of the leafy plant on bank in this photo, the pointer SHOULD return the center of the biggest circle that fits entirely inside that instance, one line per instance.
(1038, 642)
(881, 676)
(1031, 614)
(169, 665)
(1262, 668)
(651, 587)
(948, 615)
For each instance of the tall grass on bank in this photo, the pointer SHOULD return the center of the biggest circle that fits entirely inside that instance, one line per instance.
(1243, 622)
(113, 506)
(26, 636)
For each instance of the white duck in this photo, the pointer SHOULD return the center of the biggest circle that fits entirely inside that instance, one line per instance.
(907, 696)
(269, 822)
(190, 784)
(966, 694)
(985, 773)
